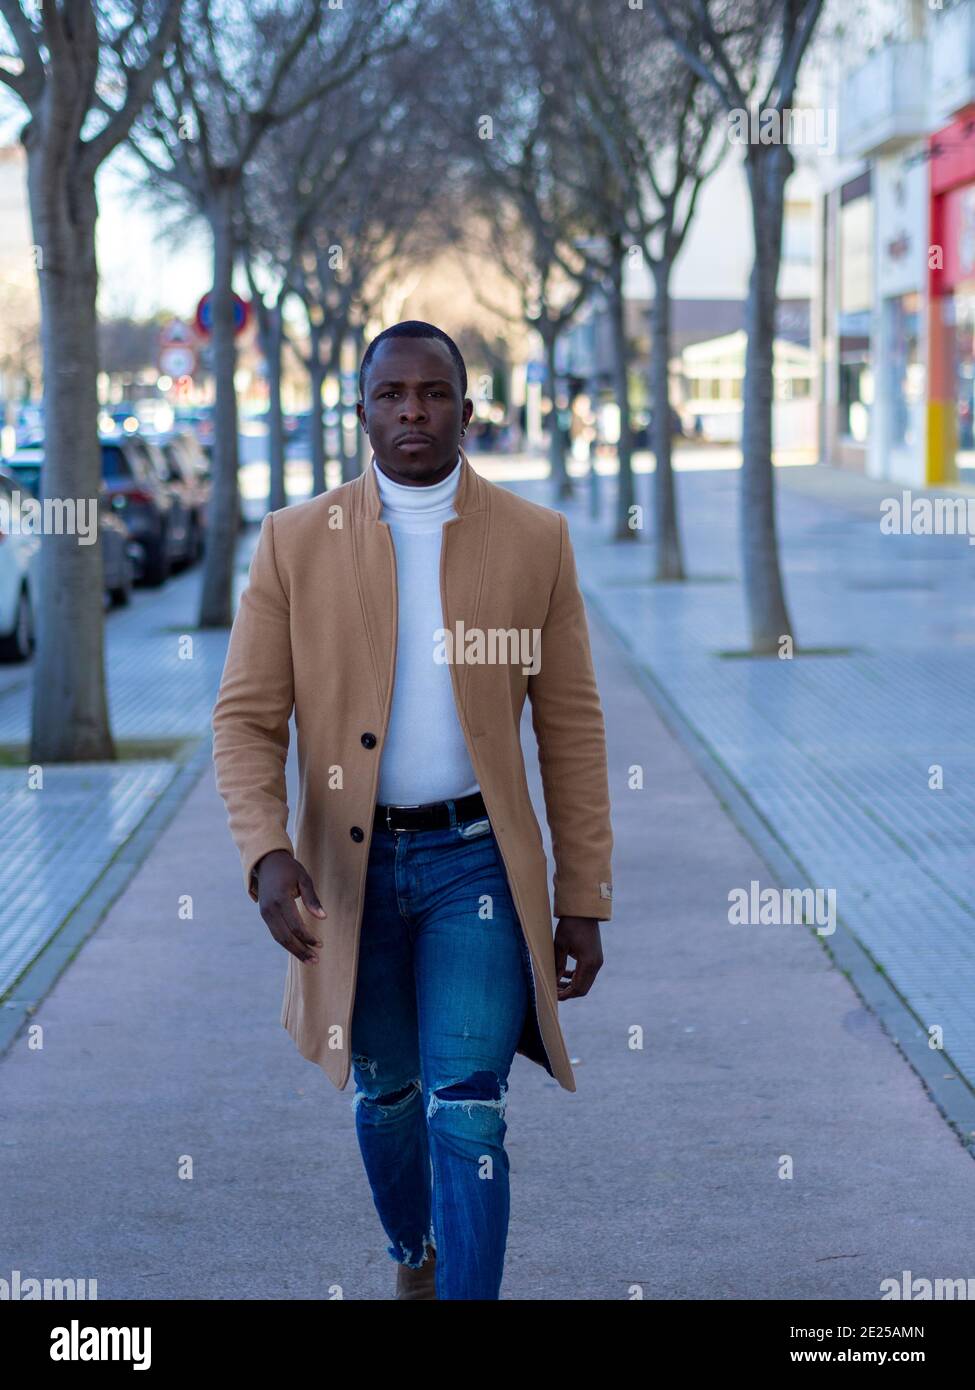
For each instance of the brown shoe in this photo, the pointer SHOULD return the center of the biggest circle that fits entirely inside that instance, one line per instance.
(417, 1283)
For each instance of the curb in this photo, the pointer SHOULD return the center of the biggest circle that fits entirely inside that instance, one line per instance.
(955, 1102)
(84, 918)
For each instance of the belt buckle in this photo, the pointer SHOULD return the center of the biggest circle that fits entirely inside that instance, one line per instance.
(396, 829)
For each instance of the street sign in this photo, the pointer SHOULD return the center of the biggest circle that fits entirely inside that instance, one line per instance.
(204, 315)
(177, 349)
(176, 333)
(176, 361)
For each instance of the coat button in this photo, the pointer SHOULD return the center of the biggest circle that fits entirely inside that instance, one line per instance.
(357, 833)
(368, 740)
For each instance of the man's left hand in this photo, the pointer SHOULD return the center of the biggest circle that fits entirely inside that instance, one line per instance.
(577, 937)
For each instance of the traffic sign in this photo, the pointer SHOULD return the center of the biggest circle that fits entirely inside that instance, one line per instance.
(176, 333)
(177, 361)
(204, 315)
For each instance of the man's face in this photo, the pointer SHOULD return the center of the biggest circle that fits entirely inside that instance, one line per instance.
(413, 410)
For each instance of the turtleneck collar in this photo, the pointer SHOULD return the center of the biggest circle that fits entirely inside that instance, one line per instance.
(400, 499)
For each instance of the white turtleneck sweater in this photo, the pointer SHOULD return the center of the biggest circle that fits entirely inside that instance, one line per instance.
(425, 756)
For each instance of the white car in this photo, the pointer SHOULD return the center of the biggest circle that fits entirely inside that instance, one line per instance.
(18, 578)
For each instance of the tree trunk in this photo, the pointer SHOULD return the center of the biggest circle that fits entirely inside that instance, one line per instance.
(768, 168)
(558, 473)
(216, 606)
(277, 492)
(69, 717)
(316, 374)
(621, 364)
(670, 563)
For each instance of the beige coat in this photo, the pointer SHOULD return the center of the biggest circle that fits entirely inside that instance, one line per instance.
(316, 632)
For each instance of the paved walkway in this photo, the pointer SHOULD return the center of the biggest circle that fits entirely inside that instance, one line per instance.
(160, 687)
(162, 1043)
(833, 752)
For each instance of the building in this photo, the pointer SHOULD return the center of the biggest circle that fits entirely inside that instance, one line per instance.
(897, 270)
(709, 288)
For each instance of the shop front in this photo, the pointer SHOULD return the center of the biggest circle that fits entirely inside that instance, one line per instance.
(848, 299)
(950, 451)
(897, 441)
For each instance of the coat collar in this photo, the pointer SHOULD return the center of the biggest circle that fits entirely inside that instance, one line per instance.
(469, 497)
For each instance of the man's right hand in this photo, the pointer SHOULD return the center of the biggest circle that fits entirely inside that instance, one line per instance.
(280, 880)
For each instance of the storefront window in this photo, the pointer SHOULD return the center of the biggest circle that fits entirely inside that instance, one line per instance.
(856, 395)
(855, 301)
(905, 382)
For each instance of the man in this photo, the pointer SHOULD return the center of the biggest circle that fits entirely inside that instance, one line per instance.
(404, 617)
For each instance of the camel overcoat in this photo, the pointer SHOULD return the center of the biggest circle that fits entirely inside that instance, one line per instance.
(315, 633)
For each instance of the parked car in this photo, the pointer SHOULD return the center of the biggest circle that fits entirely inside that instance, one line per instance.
(18, 577)
(198, 419)
(187, 470)
(30, 425)
(119, 553)
(156, 518)
(184, 545)
(25, 465)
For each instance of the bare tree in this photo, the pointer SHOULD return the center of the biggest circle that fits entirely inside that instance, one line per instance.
(83, 73)
(549, 299)
(383, 214)
(235, 75)
(322, 217)
(749, 52)
(514, 143)
(654, 122)
(286, 184)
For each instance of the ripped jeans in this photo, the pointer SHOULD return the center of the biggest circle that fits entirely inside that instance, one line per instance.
(444, 980)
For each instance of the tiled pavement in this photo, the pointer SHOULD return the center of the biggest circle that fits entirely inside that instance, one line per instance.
(832, 751)
(69, 830)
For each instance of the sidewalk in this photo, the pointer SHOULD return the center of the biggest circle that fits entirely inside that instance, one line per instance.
(162, 1042)
(76, 833)
(829, 753)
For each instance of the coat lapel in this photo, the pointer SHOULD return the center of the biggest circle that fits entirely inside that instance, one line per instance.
(462, 559)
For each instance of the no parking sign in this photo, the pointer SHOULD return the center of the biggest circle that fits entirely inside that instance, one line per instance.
(204, 315)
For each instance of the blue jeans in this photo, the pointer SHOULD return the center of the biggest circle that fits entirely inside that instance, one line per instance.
(444, 980)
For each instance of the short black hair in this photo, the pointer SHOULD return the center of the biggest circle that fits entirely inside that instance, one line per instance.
(412, 328)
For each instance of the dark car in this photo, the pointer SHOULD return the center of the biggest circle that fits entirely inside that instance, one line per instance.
(187, 471)
(118, 551)
(157, 521)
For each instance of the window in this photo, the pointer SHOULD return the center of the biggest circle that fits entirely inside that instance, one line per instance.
(905, 371)
(855, 305)
(114, 462)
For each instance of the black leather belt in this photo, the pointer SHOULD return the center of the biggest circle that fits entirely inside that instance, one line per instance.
(435, 815)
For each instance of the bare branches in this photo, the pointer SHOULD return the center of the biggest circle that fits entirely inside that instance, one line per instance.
(28, 83)
(139, 85)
